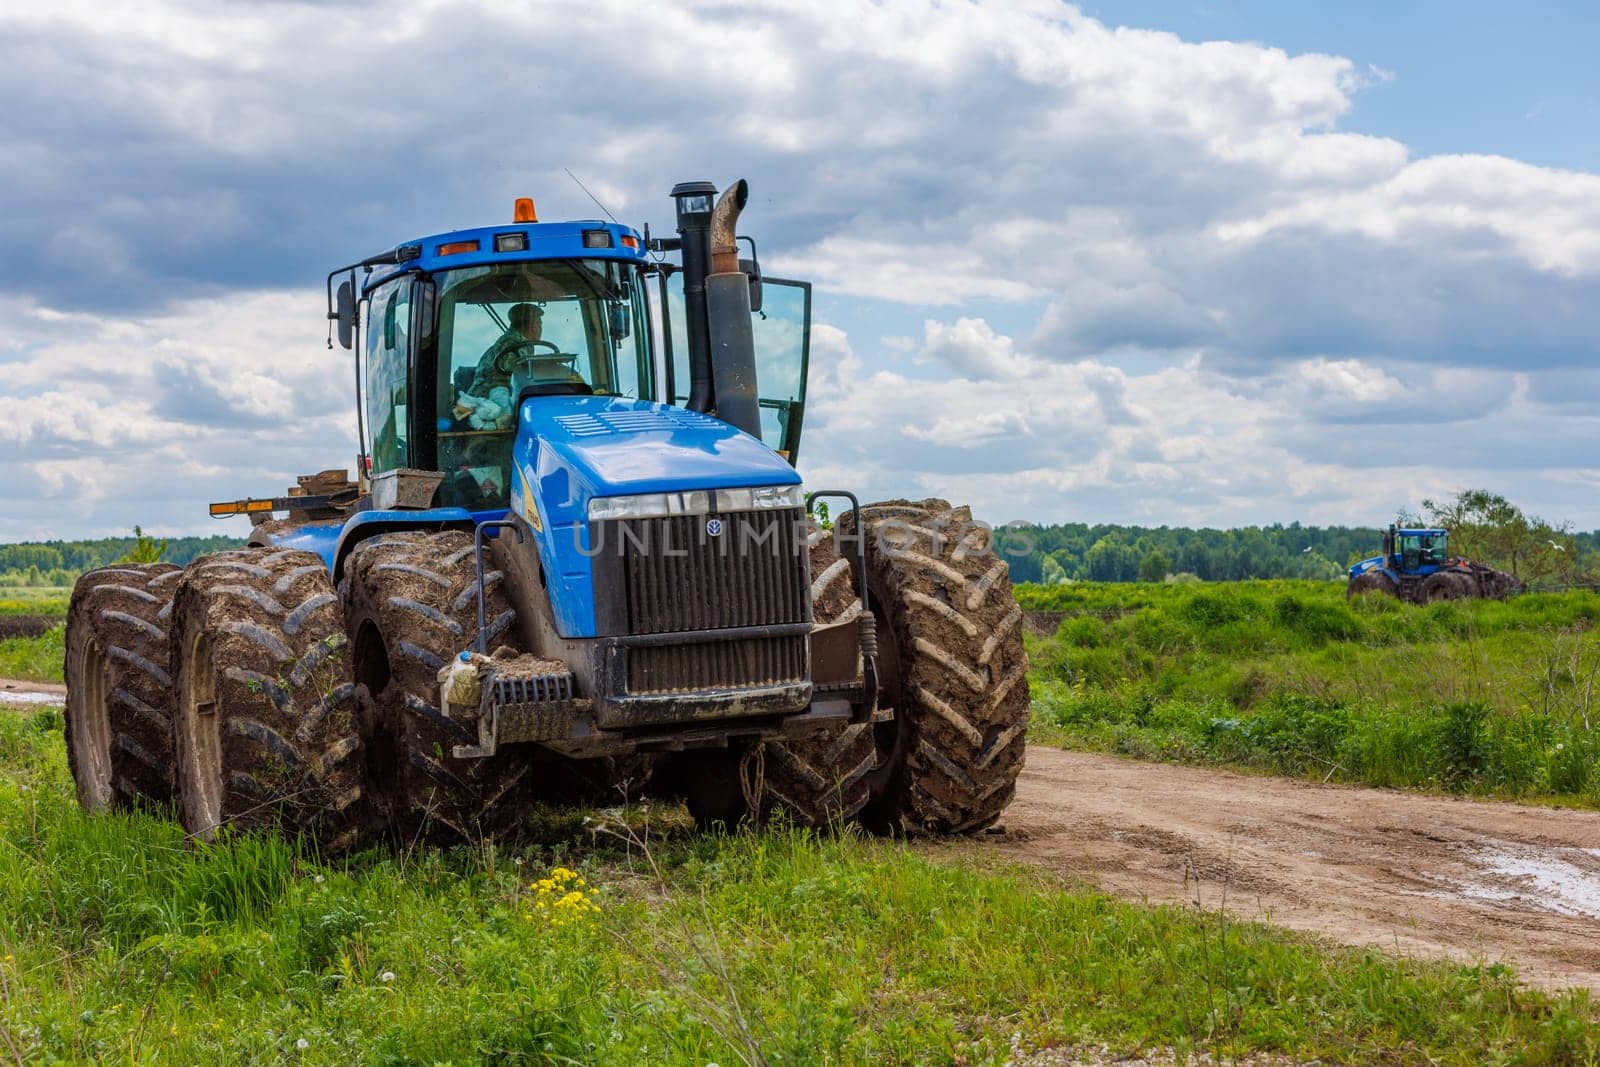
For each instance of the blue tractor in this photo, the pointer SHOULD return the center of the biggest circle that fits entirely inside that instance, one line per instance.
(576, 562)
(1416, 566)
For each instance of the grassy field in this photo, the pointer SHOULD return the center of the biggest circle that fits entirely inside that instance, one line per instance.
(121, 941)
(33, 658)
(1479, 697)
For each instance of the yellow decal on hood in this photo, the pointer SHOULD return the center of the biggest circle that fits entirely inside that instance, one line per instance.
(530, 510)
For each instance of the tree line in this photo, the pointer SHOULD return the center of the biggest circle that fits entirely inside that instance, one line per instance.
(58, 563)
(1483, 526)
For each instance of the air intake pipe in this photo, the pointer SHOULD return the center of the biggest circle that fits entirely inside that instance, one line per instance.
(733, 350)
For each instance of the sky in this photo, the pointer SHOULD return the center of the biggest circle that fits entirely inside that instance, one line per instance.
(1158, 263)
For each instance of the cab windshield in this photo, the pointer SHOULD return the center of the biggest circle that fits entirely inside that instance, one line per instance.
(1423, 548)
(542, 328)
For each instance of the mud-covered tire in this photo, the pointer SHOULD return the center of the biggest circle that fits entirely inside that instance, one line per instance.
(265, 709)
(1445, 585)
(1370, 582)
(822, 781)
(1492, 584)
(411, 604)
(949, 761)
(119, 690)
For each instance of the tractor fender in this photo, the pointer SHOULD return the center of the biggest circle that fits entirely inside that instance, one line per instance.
(1376, 563)
(367, 524)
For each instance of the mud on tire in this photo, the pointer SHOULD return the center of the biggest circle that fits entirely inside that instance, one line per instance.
(1445, 585)
(411, 604)
(1370, 582)
(119, 690)
(822, 781)
(265, 703)
(949, 761)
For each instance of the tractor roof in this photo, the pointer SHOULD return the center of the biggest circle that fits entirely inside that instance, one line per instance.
(522, 241)
(1418, 531)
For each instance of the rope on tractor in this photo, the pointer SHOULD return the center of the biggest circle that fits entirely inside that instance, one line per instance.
(753, 778)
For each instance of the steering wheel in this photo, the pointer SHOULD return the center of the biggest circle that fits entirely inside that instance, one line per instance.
(526, 355)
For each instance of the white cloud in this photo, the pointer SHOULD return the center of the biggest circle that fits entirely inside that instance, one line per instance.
(969, 347)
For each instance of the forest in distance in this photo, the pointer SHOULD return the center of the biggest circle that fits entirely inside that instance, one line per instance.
(1484, 526)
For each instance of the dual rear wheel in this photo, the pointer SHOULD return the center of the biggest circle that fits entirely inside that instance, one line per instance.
(119, 688)
(265, 710)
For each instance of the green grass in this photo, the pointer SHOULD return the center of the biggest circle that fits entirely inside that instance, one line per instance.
(1483, 697)
(34, 659)
(121, 941)
(34, 600)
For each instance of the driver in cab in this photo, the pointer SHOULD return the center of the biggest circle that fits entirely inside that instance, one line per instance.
(500, 359)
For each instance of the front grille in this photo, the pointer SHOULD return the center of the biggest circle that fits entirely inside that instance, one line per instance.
(717, 664)
(676, 576)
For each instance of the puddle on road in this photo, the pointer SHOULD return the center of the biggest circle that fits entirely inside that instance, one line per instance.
(22, 696)
(1563, 880)
(1560, 880)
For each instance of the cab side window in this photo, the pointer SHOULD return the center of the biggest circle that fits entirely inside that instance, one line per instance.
(388, 371)
(782, 331)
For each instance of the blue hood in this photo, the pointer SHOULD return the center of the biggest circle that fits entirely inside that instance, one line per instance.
(614, 447)
(571, 449)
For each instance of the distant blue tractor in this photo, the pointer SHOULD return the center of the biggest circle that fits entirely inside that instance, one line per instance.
(576, 563)
(1416, 566)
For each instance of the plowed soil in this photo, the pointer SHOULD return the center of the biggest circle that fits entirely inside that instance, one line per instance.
(1419, 876)
(27, 625)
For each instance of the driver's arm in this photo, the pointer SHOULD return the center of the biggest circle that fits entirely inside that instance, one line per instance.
(490, 372)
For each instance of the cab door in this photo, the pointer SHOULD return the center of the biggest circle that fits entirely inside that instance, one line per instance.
(388, 375)
(782, 334)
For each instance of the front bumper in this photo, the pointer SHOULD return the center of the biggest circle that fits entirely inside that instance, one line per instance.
(534, 701)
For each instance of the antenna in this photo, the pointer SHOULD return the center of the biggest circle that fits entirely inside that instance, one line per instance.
(591, 196)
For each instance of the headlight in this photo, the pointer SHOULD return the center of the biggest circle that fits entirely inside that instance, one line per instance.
(768, 496)
(696, 502)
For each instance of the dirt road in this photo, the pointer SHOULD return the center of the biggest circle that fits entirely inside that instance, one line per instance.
(1424, 876)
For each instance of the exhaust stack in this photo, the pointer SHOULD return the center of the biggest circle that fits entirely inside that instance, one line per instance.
(733, 350)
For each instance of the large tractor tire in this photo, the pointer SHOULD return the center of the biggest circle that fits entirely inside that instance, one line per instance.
(1492, 584)
(1445, 585)
(265, 716)
(821, 782)
(411, 604)
(1371, 582)
(119, 691)
(950, 640)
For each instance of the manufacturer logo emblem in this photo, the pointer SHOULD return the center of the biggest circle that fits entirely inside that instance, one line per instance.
(713, 527)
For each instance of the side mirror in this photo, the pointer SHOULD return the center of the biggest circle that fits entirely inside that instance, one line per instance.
(620, 327)
(347, 315)
(752, 268)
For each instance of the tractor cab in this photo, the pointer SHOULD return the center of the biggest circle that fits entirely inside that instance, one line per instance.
(462, 328)
(458, 337)
(1416, 551)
